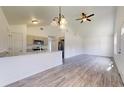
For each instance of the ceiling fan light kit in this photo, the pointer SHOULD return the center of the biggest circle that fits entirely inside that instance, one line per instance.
(84, 17)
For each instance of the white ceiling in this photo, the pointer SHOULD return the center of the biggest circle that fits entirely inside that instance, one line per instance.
(24, 14)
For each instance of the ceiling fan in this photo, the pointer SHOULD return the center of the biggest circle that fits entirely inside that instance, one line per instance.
(84, 17)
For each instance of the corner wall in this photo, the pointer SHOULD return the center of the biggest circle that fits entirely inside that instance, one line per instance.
(4, 33)
(98, 35)
(119, 58)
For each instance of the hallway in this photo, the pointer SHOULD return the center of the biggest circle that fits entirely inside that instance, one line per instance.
(79, 71)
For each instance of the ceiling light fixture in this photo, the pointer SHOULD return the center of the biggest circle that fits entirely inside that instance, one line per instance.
(84, 19)
(60, 20)
(35, 21)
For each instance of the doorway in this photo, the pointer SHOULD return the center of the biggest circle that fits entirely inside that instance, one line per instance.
(16, 43)
(61, 46)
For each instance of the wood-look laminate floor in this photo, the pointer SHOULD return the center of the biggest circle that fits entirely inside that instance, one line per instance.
(79, 71)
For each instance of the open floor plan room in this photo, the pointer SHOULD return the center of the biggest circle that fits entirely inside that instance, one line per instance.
(61, 46)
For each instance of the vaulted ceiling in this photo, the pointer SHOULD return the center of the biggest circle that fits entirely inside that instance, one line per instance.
(24, 14)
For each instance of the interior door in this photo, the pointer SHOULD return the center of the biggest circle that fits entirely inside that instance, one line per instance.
(16, 43)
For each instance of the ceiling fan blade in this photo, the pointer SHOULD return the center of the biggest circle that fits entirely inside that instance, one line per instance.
(82, 21)
(90, 15)
(78, 19)
(88, 20)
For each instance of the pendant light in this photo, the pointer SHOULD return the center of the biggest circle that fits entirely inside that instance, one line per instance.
(60, 20)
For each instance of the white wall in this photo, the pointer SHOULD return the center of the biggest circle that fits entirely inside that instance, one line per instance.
(4, 32)
(119, 45)
(48, 31)
(118, 26)
(35, 31)
(119, 60)
(73, 44)
(20, 29)
(98, 35)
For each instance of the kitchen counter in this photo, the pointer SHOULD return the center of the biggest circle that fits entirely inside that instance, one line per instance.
(15, 68)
